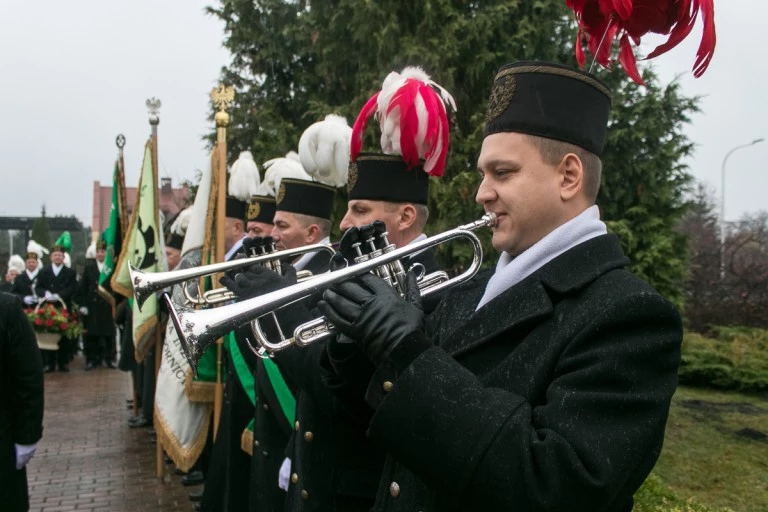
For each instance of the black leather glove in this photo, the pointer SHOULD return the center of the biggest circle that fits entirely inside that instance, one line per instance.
(386, 326)
(258, 280)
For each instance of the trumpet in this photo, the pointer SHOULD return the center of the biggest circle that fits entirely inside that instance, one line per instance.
(197, 330)
(147, 283)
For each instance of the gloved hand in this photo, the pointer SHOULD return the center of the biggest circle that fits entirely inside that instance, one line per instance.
(52, 297)
(83, 310)
(284, 475)
(370, 312)
(258, 280)
(48, 295)
(24, 453)
(30, 299)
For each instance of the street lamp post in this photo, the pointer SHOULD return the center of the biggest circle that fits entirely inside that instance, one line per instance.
(722, 202)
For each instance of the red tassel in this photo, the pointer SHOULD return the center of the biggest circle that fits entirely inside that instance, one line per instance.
(356, 144)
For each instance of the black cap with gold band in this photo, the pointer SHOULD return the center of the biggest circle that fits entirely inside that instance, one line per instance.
(379, 177)
(261, 209)
(552, 101)
(235, 208)
(305, 198)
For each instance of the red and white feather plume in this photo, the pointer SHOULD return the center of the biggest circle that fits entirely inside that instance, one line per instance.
(411, 110)
(602, 21)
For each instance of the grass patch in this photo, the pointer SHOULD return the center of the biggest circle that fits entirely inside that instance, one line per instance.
(713, 455)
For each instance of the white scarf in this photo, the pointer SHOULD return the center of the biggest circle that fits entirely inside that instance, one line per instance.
(302, 262)
(510, 271)
(100, 265)
(56, 269)
(32, 275)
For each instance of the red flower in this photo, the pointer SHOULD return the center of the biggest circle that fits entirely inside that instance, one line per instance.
(602, 21)
(65, 313)
(49, 323)
(39, 321)
(63, 326)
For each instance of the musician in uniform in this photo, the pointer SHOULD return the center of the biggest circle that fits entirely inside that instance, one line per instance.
(547, 384)
(58, 283)
(99, 321)
(261, 211)
(226, 477)
(25, 284)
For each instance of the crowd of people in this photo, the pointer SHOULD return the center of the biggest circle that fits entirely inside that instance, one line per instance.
(543, 384)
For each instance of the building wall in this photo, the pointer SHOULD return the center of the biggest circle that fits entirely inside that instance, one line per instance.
(171, 201)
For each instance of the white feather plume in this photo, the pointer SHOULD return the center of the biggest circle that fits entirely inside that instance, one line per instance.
(90, 252)
(67, 260)
(278, 169)
(244, 177)
(38, 249)
(324, 150)
(15, 262)
(181, 222)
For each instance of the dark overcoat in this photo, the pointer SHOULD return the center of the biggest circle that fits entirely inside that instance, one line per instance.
(23, 285)
(334, 467)
(21, 399)
(65, 284)
(99, 321)
(553, 396)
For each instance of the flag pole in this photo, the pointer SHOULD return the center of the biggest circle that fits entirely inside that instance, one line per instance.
(153, 104)
(222, 97)
(120, 143)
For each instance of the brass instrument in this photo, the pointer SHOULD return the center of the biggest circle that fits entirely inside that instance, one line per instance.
(147, 283)
(199, 329)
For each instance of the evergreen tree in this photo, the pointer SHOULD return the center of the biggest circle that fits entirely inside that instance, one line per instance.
(294, 62)
(41, 233)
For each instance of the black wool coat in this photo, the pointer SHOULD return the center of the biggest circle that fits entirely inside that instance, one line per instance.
(99, 321)
(65, 284)
(23, 285)
(334, 467)
(21, 399)
(553, 396)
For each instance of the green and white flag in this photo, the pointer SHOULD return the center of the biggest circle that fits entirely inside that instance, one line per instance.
(143, 248)
(113, 235)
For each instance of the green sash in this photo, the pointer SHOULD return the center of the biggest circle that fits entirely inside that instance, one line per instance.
(284, 396)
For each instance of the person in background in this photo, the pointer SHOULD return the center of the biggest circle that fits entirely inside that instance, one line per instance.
(99, 338)
(15, 267)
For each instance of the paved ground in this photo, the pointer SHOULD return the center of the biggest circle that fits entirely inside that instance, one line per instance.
(88, 459)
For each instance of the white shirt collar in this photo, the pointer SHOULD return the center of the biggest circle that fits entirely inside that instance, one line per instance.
(231, 252)
(56, 268)
(299, 265)
(32, 274)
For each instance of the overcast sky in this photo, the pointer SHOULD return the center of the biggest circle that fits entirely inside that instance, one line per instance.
(74, 74)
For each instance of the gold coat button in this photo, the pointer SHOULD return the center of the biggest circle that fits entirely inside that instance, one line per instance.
(387, 386)
(294, 478)
(296, 426)
(304, 494)
(309, 436)
(265, 453)
(265, 407)
(394, 489)
(256, 443)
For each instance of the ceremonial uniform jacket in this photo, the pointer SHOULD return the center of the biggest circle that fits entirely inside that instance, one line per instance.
(334, 467)
(23, 285)
(99, 321)
(21, 399)
(553, 396)
(65, 284)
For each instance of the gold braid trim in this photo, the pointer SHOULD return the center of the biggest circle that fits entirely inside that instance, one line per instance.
(551, 70)
(184, 458)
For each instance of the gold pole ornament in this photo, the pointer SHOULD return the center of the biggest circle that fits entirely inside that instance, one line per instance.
(222, 97)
